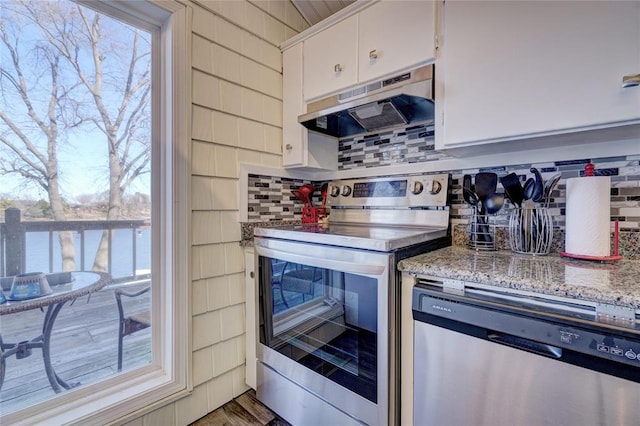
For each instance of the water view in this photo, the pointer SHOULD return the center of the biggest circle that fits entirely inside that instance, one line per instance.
(125, 243)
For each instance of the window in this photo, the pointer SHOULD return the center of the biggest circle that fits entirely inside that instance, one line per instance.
(163, 26)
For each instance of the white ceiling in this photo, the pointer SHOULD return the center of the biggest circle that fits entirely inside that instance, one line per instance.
(315, 11)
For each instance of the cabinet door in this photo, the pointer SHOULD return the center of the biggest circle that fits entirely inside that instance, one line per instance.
(393, 36)
(330, 59)
(294, 135)
(251, 315)
(301, 148)
(515, 69)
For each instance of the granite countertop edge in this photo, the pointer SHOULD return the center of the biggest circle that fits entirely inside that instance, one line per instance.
(614, 283)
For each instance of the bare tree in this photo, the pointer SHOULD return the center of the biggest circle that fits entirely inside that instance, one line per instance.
(109, 92)
(26, 155)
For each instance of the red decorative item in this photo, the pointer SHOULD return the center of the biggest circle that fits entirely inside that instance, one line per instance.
(309, 214)
(589, 169)
(586, 257)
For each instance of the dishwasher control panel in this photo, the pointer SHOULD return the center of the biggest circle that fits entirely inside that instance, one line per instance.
(517, 321)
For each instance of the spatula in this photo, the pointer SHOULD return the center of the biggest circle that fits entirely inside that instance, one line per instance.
(466, 189)
(485, 185)
(538, 191)
(513, 188)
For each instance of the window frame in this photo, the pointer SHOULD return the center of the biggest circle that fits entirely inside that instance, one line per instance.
(168, 378)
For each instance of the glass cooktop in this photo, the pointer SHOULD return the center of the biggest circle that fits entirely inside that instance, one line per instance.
(367, 237)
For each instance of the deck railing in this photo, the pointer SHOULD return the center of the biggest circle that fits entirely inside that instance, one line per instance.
(14, 251)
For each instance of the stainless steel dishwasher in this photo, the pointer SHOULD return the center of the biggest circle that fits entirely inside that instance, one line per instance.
(492, 357)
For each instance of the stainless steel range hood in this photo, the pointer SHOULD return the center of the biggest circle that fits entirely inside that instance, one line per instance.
(403, 99)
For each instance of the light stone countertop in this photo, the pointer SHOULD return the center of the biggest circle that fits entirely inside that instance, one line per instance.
(616, 283)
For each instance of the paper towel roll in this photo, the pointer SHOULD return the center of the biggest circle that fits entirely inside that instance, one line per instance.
(588, 216)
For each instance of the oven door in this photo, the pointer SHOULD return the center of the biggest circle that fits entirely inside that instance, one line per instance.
(324, 327)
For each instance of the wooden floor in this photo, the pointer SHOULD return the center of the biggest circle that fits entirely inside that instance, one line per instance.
(84, 347)
(244, 410)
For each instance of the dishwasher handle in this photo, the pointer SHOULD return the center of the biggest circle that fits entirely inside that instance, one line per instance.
(525, 344)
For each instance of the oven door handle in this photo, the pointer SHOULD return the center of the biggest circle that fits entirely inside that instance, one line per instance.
(336, 265)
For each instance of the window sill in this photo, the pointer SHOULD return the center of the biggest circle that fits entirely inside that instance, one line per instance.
(149, 388)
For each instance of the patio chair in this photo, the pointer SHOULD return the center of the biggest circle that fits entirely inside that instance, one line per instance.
(298, 280)
(131, 323)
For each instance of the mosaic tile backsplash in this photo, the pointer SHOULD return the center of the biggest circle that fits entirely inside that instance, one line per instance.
(270, 198)
(411, 145)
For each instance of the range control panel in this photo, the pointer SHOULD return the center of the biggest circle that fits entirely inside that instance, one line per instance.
(393, 191)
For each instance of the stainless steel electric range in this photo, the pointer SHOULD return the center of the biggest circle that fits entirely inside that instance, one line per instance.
(328, 344)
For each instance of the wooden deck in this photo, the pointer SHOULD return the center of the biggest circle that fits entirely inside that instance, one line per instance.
(84, 347)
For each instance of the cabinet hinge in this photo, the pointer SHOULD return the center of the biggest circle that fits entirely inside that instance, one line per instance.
(436, 42)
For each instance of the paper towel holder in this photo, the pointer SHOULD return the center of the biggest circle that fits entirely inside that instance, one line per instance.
(614, 256)
(589, 170)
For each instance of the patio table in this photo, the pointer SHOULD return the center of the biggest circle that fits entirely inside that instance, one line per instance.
(82, 284)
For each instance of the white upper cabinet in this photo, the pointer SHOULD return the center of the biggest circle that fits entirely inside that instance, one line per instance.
(294, 135)
(387, 37)
(522, 69)
(330, 59)
(301, 148)
(393, 36)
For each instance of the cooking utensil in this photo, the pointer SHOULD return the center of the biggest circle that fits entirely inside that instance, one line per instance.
(470, 197)
(307, 191)
(303, 198)
(549, 187)
(466, 182)
(494, 203)
(323, 193)
(529, 188)
(513, 188)
(323, 197)
(538, 189)
(467, 192)
(485, 184)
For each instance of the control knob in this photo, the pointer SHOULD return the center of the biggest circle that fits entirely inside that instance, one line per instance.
(334, 191)
(435, 187)
(417, 188)
(345, 190)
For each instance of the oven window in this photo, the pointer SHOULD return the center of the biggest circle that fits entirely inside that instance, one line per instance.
(323, 319)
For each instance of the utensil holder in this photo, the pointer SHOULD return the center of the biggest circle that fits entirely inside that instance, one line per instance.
(530, 230)
(309, 214)
(482, 233)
